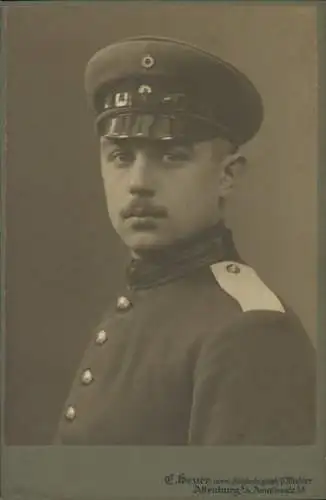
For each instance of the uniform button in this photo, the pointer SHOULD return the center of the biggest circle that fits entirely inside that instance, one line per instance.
(233, 268)
(70, 413)
(101, 337)
(123, 303)
(87, 377)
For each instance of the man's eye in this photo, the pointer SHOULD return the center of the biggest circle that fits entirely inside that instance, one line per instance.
(121, 157)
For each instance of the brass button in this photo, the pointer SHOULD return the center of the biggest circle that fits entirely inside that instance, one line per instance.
(233, 269)
(70, 413)
(101, 337)
(123, 303)
(87, 377)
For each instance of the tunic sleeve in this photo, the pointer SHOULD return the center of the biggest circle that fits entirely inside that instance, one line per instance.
(254, 384)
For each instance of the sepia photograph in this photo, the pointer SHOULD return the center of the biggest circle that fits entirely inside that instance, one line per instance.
(162, 249)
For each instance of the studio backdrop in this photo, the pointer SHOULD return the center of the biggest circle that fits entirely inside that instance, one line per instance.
(64, 262)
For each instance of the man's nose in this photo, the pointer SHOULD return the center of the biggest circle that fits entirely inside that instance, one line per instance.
(141, 176)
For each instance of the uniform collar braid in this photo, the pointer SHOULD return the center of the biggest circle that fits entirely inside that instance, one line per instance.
(207, 247)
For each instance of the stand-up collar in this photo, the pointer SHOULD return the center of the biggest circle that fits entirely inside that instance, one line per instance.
(212, 245)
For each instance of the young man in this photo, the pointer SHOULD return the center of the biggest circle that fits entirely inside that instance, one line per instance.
(197, 350)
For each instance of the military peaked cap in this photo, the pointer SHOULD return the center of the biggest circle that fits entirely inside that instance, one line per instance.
(160, 88)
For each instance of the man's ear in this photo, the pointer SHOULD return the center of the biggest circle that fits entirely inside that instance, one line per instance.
(231, 169)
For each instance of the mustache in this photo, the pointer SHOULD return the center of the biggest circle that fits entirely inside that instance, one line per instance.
(142, 208)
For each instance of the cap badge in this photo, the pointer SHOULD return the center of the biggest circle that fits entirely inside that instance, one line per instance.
(144, 90)
(121, 99)
(148, 61)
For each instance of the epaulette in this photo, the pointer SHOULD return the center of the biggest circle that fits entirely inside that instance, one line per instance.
(243, 284)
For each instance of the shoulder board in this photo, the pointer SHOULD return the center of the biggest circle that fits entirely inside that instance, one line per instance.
(243, 284)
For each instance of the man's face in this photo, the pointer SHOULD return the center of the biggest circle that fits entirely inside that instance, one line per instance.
(158, 192)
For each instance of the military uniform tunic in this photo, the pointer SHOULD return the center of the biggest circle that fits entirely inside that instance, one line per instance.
(200, 352)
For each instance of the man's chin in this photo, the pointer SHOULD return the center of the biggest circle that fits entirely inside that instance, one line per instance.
(144, 241)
